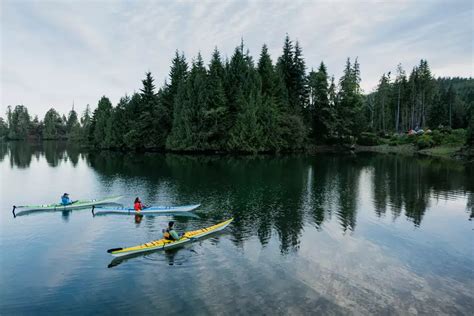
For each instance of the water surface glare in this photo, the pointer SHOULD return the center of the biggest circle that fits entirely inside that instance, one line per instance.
(329, 234)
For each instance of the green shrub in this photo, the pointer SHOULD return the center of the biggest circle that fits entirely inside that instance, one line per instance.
(412, 138)
(368, 139)
(401, 139)
(457, 137)
(424, 141)
(438, 137)
(406, 139)
(447, 136)
(393, 142)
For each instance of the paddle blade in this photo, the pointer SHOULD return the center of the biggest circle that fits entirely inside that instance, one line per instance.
(114, 249)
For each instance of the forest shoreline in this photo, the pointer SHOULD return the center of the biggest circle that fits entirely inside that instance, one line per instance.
(454, 152)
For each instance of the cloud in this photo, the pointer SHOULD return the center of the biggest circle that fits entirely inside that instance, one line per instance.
(55, 52)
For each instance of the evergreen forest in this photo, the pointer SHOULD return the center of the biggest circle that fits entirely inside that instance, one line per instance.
(252, 105)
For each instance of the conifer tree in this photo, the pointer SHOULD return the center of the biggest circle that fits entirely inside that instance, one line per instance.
(382, 100)
(117, 125)
(52, 125)
(73, 128)
(470, 129)
(3, 128)
(99, 122)
(286, 68)
(86, 121)
(291, 68)
(271, 86)
(132, 136)
(18, 122)
(147, 127)
(322, 113)
(188, 132)
(246, 134)
(217, 112)
(351, 120)
(400, 86)
(300, 80)
(167, 95)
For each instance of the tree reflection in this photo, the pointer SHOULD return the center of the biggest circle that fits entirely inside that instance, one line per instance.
(271, 197)
(404, 183)
(73, 153)
(20, 154)
(54, 152)
(3, 150)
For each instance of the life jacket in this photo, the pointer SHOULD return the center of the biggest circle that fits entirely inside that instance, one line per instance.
(166, 234)
(65, 200)
(137, 206)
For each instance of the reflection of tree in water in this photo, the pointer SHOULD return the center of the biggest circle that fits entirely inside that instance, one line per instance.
(470, 205)
(148, 170)
(54, 152)
(408, 183)
(325, 189)
(73, 153)
(347, 186)
(470, 189)
(3, 150)
(269, 195)
(262, 193)
(20, 154)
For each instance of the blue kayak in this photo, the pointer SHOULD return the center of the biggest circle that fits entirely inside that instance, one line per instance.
(147, 210)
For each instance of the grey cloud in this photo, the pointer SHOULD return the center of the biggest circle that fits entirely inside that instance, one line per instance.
(55, 52)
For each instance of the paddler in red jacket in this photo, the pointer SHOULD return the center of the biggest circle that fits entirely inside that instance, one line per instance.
(138, 205)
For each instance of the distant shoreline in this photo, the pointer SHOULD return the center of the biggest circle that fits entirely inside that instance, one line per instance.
(449, 151)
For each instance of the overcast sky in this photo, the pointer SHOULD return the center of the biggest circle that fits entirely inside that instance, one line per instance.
(57, 52)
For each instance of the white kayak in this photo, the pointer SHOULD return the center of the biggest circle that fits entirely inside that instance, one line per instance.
(76, 205)
(148, 210)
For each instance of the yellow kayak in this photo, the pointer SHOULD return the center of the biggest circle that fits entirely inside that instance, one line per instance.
(162, 244)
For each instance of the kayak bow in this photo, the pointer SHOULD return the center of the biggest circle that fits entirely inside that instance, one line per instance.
(163, 244)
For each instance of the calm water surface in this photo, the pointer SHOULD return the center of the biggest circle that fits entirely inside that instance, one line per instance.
(372, 234)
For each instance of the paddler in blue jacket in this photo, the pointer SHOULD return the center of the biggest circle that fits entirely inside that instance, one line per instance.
(65, 200)
(170, 233)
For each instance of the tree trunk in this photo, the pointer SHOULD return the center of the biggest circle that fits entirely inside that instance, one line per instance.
(450, 123)
(383, 114)
(398, 111)
(422, 121)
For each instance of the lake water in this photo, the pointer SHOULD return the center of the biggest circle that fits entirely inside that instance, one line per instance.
(327, 234)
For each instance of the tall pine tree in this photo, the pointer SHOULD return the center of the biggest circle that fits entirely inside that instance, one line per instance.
(217, 112)
(322, 112)
(99, 122)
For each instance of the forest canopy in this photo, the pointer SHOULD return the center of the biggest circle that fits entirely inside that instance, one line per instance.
(246, 105)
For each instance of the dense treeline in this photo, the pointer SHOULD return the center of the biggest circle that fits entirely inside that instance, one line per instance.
(242, 105)
(419, 101)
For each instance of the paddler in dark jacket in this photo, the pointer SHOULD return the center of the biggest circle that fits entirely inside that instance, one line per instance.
(170, 233)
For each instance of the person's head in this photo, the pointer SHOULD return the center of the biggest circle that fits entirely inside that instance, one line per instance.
(66, 195)
(137, 200)
(171, 224)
